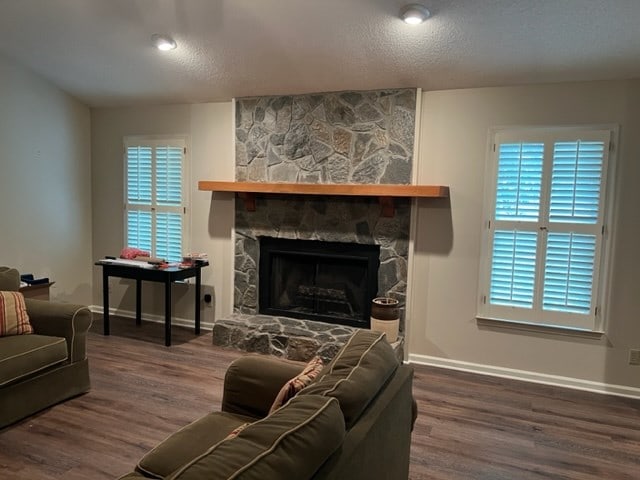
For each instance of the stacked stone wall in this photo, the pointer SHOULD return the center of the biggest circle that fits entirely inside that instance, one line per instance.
(329, 138)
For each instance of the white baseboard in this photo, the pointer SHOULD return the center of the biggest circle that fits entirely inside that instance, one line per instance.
(178, 321)
(527, 376)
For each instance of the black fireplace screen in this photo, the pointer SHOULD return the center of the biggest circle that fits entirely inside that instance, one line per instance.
(326, 281)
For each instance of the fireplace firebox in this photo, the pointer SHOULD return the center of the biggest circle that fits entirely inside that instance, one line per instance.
(330, 282)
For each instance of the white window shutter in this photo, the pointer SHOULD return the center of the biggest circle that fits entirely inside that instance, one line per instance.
(139, 166)
(568, 272)
(513, 268)
(155, 196)
(576, 182)
(169, 236)
(545, 219)
(169, 175)
(519, 181)
(139, 229)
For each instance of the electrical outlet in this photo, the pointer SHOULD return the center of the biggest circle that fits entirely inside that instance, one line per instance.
(634, 357)
(207, 299)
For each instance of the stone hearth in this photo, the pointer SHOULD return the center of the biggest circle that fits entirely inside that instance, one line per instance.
(284, 337)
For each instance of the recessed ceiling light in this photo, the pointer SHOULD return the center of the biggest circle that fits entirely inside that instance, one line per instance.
(414, 13)
(163, 42)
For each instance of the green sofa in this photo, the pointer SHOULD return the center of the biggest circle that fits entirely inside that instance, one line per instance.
(352, 422)
(48, 366)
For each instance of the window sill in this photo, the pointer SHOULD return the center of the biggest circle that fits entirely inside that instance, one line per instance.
(530, 327)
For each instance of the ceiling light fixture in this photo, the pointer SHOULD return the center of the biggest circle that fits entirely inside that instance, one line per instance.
(163, 42)
(414, 13)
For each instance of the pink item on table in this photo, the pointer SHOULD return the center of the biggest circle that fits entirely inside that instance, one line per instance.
(130, 253)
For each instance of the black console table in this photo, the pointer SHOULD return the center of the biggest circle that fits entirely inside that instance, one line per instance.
(162, 275)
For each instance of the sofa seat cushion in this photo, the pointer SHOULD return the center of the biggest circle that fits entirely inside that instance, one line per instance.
(25, 355)
(357, 373)
(188, 443)
(291, 443)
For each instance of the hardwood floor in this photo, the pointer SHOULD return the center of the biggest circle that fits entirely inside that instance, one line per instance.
(469, 426)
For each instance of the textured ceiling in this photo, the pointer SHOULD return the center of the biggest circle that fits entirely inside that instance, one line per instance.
(99, 50)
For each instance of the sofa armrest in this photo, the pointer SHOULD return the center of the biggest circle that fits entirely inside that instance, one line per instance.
(66, 320)
(252, 383)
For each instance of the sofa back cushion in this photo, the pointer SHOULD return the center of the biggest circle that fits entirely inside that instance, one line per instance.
(13, 315)
(291, 443)
(356, 374)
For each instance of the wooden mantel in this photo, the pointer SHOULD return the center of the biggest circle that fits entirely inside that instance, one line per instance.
(385, 193)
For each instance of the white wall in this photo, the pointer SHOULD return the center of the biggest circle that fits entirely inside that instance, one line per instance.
(453, 144)
(45, 187)
(210, 129)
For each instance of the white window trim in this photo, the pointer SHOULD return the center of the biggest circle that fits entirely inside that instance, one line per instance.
(155, 141)
(610, 198)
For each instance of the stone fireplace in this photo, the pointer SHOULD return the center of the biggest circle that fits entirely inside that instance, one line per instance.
(333, 138)
(330, 282)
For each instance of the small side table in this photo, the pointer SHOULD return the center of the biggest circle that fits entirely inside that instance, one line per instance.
(39, 291)
(163, 275)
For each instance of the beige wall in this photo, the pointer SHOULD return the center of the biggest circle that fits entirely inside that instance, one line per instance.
(60, 211)
(444, 287)
(45, 189)
(210, 131)
(441, 326)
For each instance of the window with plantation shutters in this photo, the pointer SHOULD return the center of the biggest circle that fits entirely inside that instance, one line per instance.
(155, 205)
(543, 249)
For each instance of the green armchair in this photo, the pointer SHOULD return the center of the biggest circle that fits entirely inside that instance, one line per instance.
(48, 366)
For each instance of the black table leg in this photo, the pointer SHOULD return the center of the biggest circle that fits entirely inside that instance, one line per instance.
(138, 301)
(105, 302)
(197, 303)
(167, 312)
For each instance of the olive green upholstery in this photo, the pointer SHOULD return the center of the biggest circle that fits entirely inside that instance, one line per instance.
(293, 442)
(41, 369)
(188, 443)
(25, 355)
(261, 375)
(356, 373)
(354, 422)
(9, 279)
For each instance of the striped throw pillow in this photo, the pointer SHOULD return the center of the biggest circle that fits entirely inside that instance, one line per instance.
(297, 383)
(13, 315)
